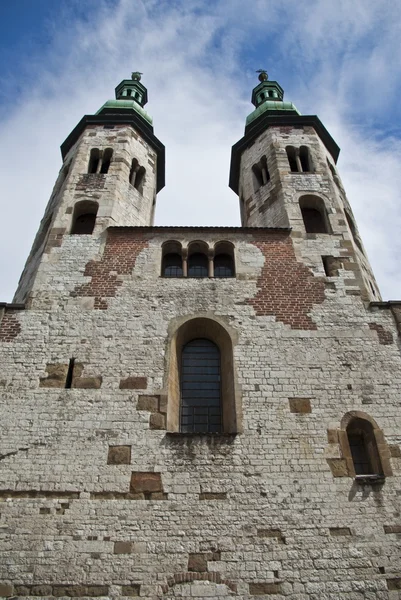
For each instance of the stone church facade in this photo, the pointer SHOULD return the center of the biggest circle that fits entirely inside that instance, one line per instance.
(199, 412)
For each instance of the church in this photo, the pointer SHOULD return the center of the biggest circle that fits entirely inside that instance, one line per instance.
(200, 412)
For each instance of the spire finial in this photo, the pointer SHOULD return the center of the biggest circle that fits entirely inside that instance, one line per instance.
(263, 76)
(136, 76)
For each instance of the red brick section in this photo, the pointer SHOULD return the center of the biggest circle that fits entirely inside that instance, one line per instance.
(385, 337)
(9, 327)
(287, 289)
(119, 257)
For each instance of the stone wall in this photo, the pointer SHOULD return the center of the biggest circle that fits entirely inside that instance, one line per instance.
(97, 499)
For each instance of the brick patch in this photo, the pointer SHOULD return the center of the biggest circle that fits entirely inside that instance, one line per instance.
(286, 288)
(119, 257)
(385, 337)
(9, 327)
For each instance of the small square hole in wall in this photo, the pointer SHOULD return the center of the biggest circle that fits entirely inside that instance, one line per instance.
(119, 455)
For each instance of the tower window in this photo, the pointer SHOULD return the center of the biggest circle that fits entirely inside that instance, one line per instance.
(292, 159)
(260, 173)
(314, 214)
(70, 374)
(305, 159)
(129, 92)
(198, 265)
(200, 387)
(137, 175)
(84, 218)
(106, 160)
(94, 160)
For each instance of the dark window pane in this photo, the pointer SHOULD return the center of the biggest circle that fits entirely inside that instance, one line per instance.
(313, 220)
(172, 265)
(200, 388)
(84, 224)
(198, 265)
(223, 266)
(359, 453)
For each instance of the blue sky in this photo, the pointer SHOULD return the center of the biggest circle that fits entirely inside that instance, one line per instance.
(62, 59)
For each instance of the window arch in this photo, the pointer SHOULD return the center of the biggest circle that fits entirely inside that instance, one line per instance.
(299, 159)
(198, 262)
(363, 446)
(84, 217)
(200, 337)
(223, 262)
(200, 410)
(172, 265)
(314, 214)
(260, 173)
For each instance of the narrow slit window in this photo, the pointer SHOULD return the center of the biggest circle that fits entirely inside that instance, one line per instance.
(70, 373)
(363, 447)
(200, 388)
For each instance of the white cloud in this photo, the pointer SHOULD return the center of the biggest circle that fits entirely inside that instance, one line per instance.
(197, 61)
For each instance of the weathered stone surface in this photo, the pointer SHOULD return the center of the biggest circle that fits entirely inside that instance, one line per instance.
(149, 403)
(157, 421)
(395, 450)
(56, 376)
(131, 590)
(213, 496)
(119, 455)
(338, 467)
(339, 531)
(392, 528)
(260, 589)
(197, 562)
(6, 590)
(88, 383)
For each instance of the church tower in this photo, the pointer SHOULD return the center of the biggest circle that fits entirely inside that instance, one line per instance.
(113, 167)
(200, 412)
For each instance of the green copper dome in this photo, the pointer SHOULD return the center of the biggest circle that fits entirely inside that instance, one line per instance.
(268, 98)
(127, 104)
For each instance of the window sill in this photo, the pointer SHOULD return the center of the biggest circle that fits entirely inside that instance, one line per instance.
(369, 479)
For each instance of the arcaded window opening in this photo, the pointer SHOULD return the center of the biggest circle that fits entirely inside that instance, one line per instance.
(291, 155)
(363, 446)
(84, 217)
(194, 330)
(172, 265)
(304, 157)
(223, 262)
(99, 161)
(354, 233)
(106, 160)
(137, 175)
(260, 173)
(200, 387)
(94, 160)
(314, 215)
(198, 261)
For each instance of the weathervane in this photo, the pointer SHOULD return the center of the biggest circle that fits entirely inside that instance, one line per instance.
(263, 76)
(136, 76)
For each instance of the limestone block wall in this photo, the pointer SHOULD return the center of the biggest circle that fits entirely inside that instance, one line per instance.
(276, 204)
(98, 499)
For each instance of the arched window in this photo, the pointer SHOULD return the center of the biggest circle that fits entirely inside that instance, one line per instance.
(94, 160)
(261, 173)
(291, 155)
(84, 217)
(200, 387)
(363, 447)
(314, 214)
(223, 261)
(106, 160)
(172, 265)
(137, 175)
(202, 394)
